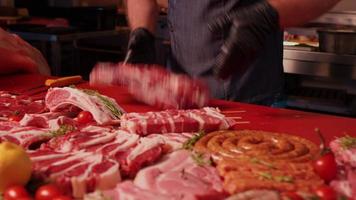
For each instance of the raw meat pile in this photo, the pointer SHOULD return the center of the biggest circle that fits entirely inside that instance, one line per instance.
(154, 85)
(177, 176)
(82, 158)
(344, 150)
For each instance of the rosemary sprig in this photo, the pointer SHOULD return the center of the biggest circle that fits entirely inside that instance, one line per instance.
(63, 129)
(348, 142)
(106, 101)
(265, 176)
(262, 162)
(284, 179)
(201, 159)
(189, 144)
(270, 177)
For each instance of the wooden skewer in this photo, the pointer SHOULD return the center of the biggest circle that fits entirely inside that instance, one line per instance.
(233, 111)
(234, 117)
(242, 122)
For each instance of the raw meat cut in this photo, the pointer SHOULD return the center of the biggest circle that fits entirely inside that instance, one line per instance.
(129, 191)
(70, 159)
(154, 85)
(77, 173)
(104, 109)
(173, 141)
(27, 137)
(51, 120)
(344, 150)
(176, 121)
(131, 151)
(11, 104)
(179, 174)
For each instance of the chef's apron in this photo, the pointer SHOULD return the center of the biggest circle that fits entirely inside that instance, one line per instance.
(194, 49)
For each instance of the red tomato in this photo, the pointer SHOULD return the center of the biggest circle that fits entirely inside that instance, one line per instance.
(63, 198)
(15, 192)
(326, 167)
(47, 192)
(84, 117)
(14, 118)
(326, 193)
(292, 196)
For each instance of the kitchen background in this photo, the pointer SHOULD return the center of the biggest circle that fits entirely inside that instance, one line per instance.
(319, 58)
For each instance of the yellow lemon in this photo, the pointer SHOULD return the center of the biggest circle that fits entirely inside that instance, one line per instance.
(15, 165)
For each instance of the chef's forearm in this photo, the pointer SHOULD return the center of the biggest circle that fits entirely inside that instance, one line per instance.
(298, 12)
(142, 14)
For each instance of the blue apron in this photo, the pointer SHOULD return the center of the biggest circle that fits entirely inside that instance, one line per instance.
(194, 49)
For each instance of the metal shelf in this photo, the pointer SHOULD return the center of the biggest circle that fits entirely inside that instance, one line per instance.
(320, 64)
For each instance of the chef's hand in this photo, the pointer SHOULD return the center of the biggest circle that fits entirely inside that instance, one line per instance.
(17, 56)
(141, 47)
(249, 27)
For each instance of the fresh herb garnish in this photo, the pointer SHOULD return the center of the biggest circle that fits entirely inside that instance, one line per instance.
(265, 176)
(348, 142)
(189, 144)
(270, 177)
(63, 129)
(262, 162)
(284, 179)
(201, 159)
(107, 102)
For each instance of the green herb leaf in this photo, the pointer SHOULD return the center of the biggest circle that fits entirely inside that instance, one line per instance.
(266, 175)
(348, 142)
(63, 129)
(201, 159)
(189, 144)
(284, 179)
(106, 101)
(270, 177)
(262, 162)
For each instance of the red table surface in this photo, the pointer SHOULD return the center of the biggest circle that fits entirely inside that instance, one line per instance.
(260, 117)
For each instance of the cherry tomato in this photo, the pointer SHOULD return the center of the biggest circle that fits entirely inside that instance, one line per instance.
(84, 117)
(15, 192)
(62, 198)
(292, 196)
(47, 192)
(326, 167)
(14, 118)
(326, 193)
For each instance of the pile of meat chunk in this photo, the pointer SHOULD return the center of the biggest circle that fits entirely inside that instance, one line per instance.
(134, 155)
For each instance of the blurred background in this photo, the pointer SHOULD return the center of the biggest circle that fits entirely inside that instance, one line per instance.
(319, 58)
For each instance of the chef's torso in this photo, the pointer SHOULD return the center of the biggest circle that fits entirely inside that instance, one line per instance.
(195, 47)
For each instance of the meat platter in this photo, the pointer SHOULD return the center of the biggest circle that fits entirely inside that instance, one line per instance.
(169, 154)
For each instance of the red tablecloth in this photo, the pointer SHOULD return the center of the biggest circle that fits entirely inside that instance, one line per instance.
(259, 117)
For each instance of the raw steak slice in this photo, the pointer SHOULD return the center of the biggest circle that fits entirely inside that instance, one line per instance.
(154, 85)
(58, 99)
(178, 174)
(77, 173)
(176, 121)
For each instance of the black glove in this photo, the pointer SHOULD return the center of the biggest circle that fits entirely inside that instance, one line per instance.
(142, 47)
(249, 26)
